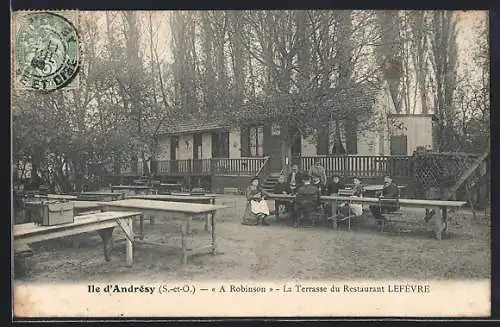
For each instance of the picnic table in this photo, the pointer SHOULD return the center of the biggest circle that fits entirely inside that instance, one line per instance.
(136, 188)
(169, 187)
(379, 187)
(103, 222)
(62, 197)
(440, 206)
(179, 197)
(100, 196)
(158, 208)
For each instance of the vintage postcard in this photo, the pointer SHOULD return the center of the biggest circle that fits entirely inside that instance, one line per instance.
(257, 163)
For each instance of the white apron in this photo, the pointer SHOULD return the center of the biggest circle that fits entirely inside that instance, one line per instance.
(259, 207)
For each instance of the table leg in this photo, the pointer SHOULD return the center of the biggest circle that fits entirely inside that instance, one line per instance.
(141, 227)
(439, 223)
(207, 221)
(188, 224)
(334, 215)
(184, 243)
(208, 216)
(445, 218)
(214, 245)
(107, 239)
(129, 250)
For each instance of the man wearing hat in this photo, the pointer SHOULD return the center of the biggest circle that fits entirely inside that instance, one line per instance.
(390, 191)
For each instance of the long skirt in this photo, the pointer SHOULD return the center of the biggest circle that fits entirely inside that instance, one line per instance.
(252, 210)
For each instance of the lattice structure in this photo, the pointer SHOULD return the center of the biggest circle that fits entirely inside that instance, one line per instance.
(442, 169)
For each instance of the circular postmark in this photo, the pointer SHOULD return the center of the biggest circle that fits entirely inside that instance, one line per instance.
(46, 52)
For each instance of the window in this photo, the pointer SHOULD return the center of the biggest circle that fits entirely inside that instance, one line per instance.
(220, 145)
(257, 141)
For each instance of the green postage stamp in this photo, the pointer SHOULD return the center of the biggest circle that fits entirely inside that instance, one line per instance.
(46, 50)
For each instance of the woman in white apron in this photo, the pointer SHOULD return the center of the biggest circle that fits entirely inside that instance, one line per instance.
(257, 210)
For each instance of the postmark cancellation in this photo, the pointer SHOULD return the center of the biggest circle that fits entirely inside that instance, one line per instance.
(46, 50)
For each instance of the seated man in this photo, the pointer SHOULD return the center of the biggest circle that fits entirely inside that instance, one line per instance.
(390, 191)
(281, 187)
(306, 200)
(334, 185)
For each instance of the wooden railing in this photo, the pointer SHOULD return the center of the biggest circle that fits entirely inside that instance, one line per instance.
(248, 166)
(184, 167)
(264, 170)
(362, 166)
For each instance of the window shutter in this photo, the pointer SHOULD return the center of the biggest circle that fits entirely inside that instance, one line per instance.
(245, 141)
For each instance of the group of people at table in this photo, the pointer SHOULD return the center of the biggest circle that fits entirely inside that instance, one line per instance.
(307, 187)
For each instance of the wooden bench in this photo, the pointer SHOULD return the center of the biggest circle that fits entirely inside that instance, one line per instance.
(159, 208)
(440, 206)
(103, 222)
(169, 187)
(135, 188)
(186, 198)
(100, 196)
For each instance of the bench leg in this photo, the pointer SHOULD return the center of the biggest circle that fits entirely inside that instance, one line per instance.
(207, 221)
(129, 250)
(439, 223)
(334, 214)
(444, 211)
(107, 239)
(184, 243)
(212, 232)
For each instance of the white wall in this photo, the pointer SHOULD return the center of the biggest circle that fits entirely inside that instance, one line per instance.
(419, 132)
(308, 146)
(206, 145)
(368, 143)
(234, 143)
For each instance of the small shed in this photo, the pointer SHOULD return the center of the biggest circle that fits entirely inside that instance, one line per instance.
(407, 132)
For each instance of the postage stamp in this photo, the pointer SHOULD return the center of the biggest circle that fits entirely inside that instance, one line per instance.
(46, 51)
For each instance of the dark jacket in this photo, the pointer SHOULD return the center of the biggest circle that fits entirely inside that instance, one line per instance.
(307, 194)
(279, 188)
(333, 188)
(390, 191)
(298, 179)
(358, 190)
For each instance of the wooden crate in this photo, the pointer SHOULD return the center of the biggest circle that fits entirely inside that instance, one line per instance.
(55, 213)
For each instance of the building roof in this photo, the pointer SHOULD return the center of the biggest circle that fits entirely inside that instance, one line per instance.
(191, 125)
(433, 116)
(360, 97)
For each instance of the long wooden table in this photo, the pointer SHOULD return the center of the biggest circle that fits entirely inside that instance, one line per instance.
(103, 222)
(63, 197)
(440, 206)
(159, 208)
(100, 196)
(187, 198)
(169, 187)
(204, 199)
(135, 188)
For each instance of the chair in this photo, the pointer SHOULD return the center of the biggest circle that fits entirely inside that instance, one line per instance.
(337, 217)
(382, 202)
(309, 208)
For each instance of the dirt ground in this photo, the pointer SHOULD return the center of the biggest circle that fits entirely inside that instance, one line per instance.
(278, 251)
